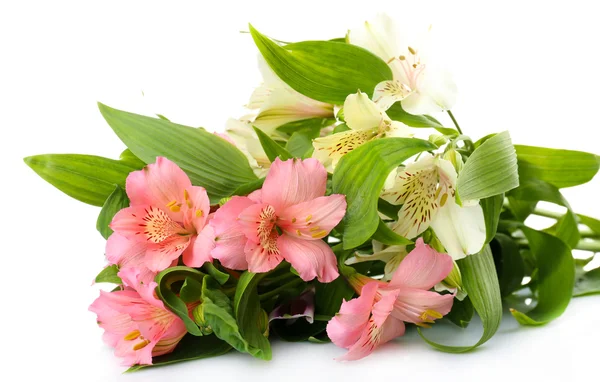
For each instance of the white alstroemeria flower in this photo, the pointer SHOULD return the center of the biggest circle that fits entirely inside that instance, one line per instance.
(426, 190)
(245, 139)
(277, 103)
(391, 255)
(366, 120)
(421, 86)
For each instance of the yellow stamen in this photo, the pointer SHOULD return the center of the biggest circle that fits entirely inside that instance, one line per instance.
(315, 228)
(172, 203)
(293, 220)
(298, 232)
(443, 200)
(199, 213)
(141, 345)
(175, 208)
(411, 50)
(434, 313)
(132, 336)
(402, 58)
(423, 325)
(186, 195)
(308, 217)
(319, 234)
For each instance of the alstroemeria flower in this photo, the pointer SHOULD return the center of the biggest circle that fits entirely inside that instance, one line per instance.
(167, 218)
(379, 314)
(243, 136)
(366, 120)
(135, 322)
(277, 103)
(421, 86)
(426, 190)
(286, 219)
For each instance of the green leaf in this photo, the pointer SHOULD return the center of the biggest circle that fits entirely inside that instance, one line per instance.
(360, 176)
(533, 190)
(492, 207)
(593, 224)
(247, 309)
(217, 274)
(461, 313)
(191, 290)
(490, 170)
(385, 235)
(481, 284)
(113, 204)
(326, 71)
(272, 148)
(248, 188)
(555, 278)
(218, 313)
(109, 275)
(209, 160)
(561, 168)
(300, 145)
(586, 283)
(509, 263)
(87, 178)
(329, 296)
(340, 128)
(312, 126)
(130, 159)
(189, 348)
(169, 278)
(397, 113)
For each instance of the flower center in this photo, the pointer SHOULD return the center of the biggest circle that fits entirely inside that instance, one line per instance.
(134, 336)
(412, 67)
(158, 226)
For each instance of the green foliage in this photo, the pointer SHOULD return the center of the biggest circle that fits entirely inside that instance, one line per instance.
(272, 148)
(109, 275)
(113, 204)
(491, 169)
(509, 264)
(492, 207)
(326, 71)
(361, 174)
(555, 278)
(209, 160)
(481, 284)
(561, 168)
(87, 178)
(586, 283)
(247, 310)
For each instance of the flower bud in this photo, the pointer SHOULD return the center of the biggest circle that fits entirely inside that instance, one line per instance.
(198, 314)
(438, 139)
(455, 158)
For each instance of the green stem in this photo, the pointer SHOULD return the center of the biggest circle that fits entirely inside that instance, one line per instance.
(275, 280)
(547, 214)
(278, 290)
(583, 245)
(454, 121)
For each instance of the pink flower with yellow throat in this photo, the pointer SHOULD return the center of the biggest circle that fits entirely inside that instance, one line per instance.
(135, 322)
(286, 219)
(166, 219)
(380, 313)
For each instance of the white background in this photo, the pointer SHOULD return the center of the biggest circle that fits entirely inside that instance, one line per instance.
(531, 67)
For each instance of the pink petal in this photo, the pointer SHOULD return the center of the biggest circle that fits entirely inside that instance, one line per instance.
(256, 196)
(373, 336)
(346, 327)
(422, 268)
(157, 184)
(160, 256)
(198, 252)
(383, 308)
(260, 259)
(196, 208)
(124, 252)
(413, 305)
(311, 258)
(293, 181)
(229, 238)
(314, 219)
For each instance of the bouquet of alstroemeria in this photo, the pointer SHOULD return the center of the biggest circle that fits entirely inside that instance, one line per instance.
(321, 217)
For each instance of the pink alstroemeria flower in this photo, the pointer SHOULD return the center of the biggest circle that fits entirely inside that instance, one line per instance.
(135, 322)
(286, 219)
(167, 218)
(379, 314)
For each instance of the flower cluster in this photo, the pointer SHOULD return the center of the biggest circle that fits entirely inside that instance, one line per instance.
(338, 209)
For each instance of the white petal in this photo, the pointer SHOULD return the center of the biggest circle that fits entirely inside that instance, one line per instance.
(378, 37)
(259, 96)
(419, 103)
(330, 149)
(361, 113)
(246, 140)
(436, 91)
(399, 130)
(461, 230)
(387, 93)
